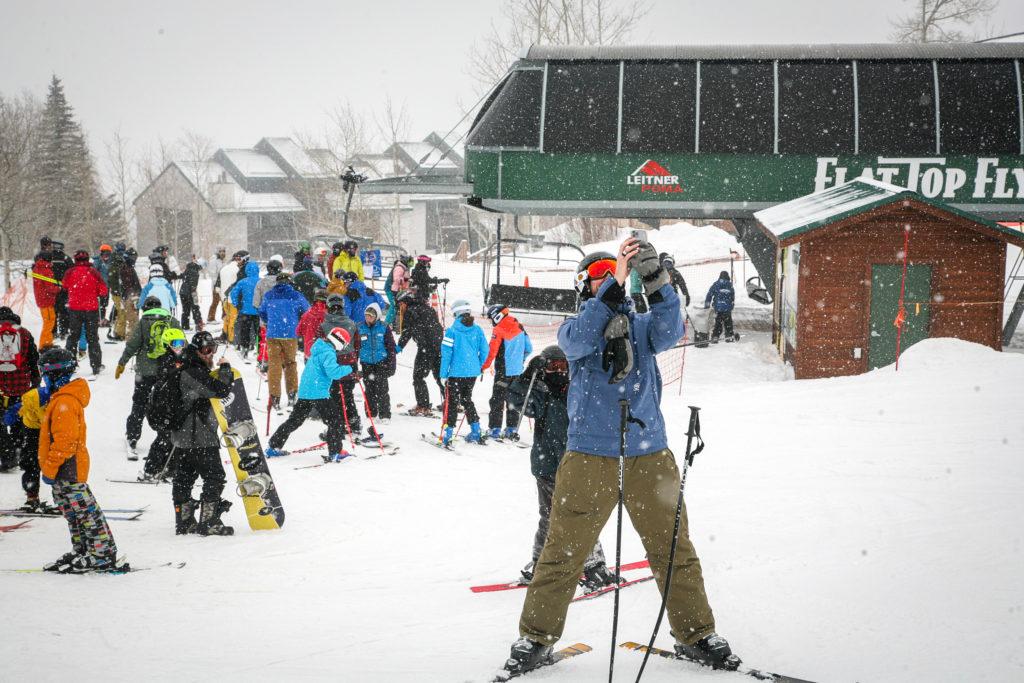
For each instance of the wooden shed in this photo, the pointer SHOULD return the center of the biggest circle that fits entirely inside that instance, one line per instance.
(839, 272)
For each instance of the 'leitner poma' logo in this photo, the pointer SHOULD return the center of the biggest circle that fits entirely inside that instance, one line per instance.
(653, 177)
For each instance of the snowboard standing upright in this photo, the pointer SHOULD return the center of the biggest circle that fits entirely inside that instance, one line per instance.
(241, 437)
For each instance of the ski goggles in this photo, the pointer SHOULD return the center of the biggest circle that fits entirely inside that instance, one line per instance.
(602, 268)
(177, 345)
(557, 365)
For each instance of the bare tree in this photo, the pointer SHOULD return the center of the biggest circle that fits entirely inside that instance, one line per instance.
(18, 129)
(349, 132)
(933, 21)
(393, 126)
(122, 174)
(551, 22)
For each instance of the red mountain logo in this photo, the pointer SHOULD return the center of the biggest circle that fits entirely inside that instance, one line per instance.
(653, 177)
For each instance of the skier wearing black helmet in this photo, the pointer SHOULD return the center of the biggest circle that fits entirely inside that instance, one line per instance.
(611, 353)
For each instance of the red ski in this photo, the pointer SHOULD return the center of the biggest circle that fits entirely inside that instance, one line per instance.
(642, 564)
(12, 527)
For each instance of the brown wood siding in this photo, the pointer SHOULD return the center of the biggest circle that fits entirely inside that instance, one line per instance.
(833, 310)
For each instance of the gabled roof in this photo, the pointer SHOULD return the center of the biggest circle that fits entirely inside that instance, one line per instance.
(788, 222)
(253, 164)
(298, 160)
(839, 51)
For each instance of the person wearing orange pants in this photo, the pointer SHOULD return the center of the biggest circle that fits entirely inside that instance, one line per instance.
(45, 287)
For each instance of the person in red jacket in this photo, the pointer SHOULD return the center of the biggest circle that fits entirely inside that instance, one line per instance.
(85, 286)
(311, 320)
(45, 288)
(18, 373)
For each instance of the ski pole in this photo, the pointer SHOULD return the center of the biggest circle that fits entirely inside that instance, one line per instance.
(623, 417)
(369, 415)
(444, 414)
(270, 405)
(344, 413)
(692, 433)
(526, 401)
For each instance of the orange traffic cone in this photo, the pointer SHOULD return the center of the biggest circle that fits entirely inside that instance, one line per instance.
(526, 281)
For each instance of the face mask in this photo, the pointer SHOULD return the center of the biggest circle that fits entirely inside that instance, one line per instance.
(557, 380)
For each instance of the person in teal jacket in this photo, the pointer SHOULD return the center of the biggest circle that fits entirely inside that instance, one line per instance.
(322, 368)
(463, 352)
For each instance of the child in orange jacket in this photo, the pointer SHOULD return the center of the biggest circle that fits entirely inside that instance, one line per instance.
(64, 463)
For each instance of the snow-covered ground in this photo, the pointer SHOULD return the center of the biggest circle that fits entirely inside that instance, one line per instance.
(851, 529)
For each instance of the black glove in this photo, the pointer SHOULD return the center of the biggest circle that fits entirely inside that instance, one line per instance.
(618, 350)
(536, 364)
(647, 264)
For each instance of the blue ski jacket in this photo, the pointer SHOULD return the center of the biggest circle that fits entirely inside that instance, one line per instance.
(241, 293)
(376, 344)
(593, 402)
(322, 368)
(281, 309)
(356, 308)
(463, 350)
(161, 289)
(722, 294)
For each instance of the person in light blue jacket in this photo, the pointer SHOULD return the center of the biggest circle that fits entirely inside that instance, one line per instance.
(247, 329)
(463, 352)
(322, 368)
(611, 351)
(159, 287)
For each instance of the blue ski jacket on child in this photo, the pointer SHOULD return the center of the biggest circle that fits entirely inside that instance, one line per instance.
(321, 369)
(241, 293)
(463, 350)
(161, 289)
(721, 294)
(376, 343)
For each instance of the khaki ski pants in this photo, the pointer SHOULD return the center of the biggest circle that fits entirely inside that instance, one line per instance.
(586, 493)
(281, 358)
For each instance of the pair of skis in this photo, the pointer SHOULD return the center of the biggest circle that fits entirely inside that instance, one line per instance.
(119, 568)
(115, 514)
(491, 588)
(582, 648)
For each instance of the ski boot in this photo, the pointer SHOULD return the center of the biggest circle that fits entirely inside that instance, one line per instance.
(275, 452)
(712, 650)
(210, 523)
(293, 396)
(596, 577)
(422, 411)
(527, 655)
(185, 518)
(275, 403)
(511, 434)
(336, 457)
(133, 453)
(373, 437)
(475, 435)
(83, 564)
(495, 434)
(446, 437)
(61, 564)
(39, 507)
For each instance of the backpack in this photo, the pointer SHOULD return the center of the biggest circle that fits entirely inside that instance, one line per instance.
(11, 356)
(155, 346)
(165, 410)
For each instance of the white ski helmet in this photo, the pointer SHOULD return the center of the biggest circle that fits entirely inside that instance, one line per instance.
(461, 307)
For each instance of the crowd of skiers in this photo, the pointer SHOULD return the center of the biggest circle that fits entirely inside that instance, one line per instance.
(347, 335)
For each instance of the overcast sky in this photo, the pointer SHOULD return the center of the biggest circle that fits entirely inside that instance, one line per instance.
(236, 71)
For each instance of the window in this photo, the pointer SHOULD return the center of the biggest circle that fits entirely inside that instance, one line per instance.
(897, 107)
(816, 108)
(658, 103)
(582, 107)
(978, 108)
(511, 118)
(737, 107)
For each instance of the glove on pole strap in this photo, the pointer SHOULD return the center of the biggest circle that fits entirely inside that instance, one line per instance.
(618, 351)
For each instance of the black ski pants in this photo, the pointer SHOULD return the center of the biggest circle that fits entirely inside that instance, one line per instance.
(133, 425)
(722, 318)
(12, 439)
(247, 331)
(499, 403)
(30, 462)
(428, 361)
(192, 464)
(329, 410)
(460, 393)
(344, 390)
(159, 456)
(60, 308)
(375, 382)
(190, 307)
(90, 320)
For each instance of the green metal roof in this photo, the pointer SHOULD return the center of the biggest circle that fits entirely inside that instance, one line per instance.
(805, 214)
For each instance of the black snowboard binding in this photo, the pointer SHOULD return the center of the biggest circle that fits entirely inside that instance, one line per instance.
(712, 650)
(527, 655)
(597, 577)
(61, 564)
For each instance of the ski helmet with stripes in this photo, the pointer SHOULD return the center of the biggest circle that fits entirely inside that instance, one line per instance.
(592, 266)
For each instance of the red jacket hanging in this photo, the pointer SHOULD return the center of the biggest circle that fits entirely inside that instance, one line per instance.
(85, 286)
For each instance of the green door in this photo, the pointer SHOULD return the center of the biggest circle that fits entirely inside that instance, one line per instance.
(885, 298)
